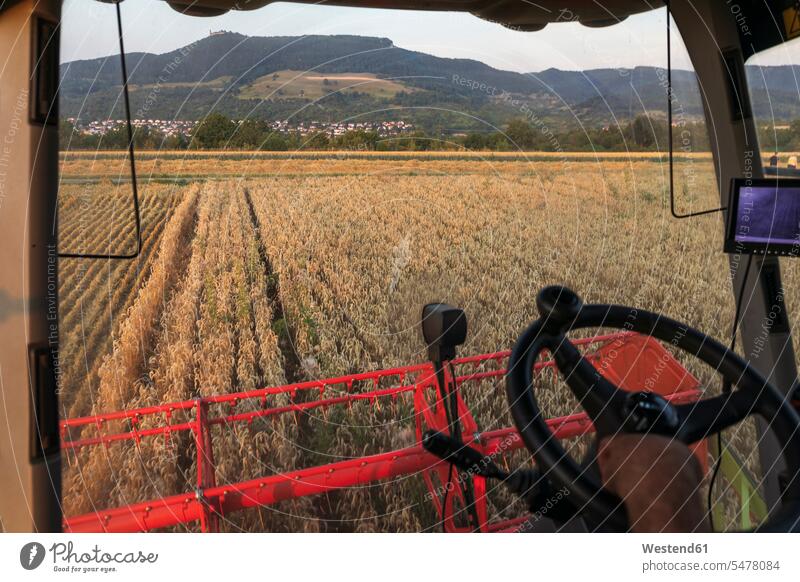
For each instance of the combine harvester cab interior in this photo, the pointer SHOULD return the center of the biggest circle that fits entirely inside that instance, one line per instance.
(629, 374)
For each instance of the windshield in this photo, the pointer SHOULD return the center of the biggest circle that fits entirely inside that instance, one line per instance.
(309, 178)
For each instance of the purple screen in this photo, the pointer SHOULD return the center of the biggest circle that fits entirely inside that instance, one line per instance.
(768, 214)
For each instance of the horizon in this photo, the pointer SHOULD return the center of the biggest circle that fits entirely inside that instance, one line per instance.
(150, 26)
(233, 32)
(394, 44)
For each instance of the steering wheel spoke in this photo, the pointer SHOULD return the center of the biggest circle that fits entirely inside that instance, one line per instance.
(600, 398)
(698, 420)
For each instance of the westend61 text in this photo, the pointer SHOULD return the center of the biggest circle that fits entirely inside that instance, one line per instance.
(675, 549)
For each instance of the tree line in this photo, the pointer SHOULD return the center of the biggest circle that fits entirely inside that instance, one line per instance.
(216, 131)
(780, 138)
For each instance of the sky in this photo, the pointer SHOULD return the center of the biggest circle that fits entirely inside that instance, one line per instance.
(89, 31)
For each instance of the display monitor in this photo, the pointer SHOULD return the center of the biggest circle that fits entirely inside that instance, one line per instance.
(764, 217)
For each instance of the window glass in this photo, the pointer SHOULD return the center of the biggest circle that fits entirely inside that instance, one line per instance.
(310, 178)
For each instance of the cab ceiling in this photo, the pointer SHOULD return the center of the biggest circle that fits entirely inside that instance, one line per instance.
(516, 14)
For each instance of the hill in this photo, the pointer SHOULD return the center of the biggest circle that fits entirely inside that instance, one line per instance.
(330, 78)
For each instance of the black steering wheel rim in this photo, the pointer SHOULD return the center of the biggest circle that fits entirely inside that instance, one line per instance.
(561, 311)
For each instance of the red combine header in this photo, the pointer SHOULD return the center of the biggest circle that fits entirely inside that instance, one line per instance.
(629, 360)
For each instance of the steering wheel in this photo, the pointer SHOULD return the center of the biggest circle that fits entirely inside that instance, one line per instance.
(613, 410)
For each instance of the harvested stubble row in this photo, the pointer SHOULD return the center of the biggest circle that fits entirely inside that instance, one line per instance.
(94, 295)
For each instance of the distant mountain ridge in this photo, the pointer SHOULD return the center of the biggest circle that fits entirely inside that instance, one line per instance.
(245, 76)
